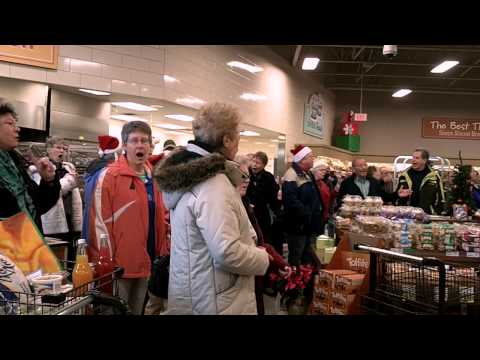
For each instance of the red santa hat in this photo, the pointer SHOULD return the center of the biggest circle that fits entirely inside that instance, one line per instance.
(300, 152)
(108, 144)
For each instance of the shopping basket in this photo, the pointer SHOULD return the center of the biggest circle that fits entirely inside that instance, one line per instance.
(406, 284)
(98, 297)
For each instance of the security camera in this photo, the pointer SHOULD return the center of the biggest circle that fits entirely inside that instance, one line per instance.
(390, 51)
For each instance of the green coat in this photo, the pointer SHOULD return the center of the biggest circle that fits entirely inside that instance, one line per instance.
(432, 194)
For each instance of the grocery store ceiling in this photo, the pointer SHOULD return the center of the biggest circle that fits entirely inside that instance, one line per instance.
(158, 118)
(341, 67)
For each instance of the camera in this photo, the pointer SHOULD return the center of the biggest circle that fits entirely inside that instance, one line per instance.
(390, 51)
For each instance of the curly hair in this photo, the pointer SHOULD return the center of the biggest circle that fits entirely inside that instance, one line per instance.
(213, 122)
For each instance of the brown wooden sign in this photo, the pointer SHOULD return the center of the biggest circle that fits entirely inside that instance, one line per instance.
(447, 128)
(45, 56)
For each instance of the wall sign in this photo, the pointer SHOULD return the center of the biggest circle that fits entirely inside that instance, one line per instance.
(313, 119)
(45, 56)
(447, 128)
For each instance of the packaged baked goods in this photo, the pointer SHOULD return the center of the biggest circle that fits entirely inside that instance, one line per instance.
(418, 214)
(341, 302)
(343, 223)
(460, 212)
(369, 201)
(374, 224)
(326, 278)
(427, 238)
(352, 200)
(346, 211)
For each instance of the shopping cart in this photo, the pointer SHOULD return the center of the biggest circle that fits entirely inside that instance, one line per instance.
(406, 284)
(98, 297)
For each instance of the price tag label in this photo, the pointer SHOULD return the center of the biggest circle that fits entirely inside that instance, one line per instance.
(452, 253)
(473, 254)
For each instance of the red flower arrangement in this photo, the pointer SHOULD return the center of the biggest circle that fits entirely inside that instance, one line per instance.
(293, 286)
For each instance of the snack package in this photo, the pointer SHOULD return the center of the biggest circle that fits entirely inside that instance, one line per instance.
(348, 284)
(342, 301)
(426, 239)
(460, 212)
(326, 278)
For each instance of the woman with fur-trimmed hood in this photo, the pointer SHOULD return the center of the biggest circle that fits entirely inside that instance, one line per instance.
(213, 255)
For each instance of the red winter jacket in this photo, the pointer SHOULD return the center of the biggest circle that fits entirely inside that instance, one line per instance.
(120, 209)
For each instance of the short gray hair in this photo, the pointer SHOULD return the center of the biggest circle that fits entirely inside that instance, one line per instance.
(54, 140)
(133, 126)
(242, 160)
(213, 122)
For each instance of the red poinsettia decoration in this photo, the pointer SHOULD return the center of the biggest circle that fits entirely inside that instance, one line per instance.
(293, 286)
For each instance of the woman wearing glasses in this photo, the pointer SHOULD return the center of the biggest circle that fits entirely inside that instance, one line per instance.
(213, 254)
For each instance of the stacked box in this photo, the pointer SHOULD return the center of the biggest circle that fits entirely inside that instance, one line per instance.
(344, 292)
(324, 284)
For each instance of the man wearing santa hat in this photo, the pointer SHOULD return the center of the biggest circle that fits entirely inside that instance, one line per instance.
(302, 205)
(108, 153)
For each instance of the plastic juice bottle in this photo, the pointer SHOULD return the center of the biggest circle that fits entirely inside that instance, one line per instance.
(104, 265)
(82, 272)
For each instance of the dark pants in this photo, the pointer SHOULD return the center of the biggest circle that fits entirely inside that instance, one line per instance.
(299, 249)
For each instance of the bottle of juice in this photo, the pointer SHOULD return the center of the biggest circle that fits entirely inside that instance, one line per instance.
(104, 265)
(82, 272)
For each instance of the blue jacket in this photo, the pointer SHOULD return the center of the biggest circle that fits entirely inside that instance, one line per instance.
(476, 197)
(302, 203)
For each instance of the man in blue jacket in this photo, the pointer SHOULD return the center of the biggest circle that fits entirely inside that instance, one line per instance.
(302, 205)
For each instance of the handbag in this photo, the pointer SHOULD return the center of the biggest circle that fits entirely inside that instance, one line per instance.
(158, 282)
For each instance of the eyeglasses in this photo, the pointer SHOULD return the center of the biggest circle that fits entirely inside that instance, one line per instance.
(135, 141)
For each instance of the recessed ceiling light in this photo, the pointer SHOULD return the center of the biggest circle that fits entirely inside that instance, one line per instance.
(444, 66)
(190, 101)
(252, 97)
(249, 133)
(260, 143)
(134, 106)
(282, 137)
(171, 126)
(169, 79)
(250, 68)
(128, 118)
(94, 92)
(402, 93)
(310, 63)
(180, 117)
(157, 106)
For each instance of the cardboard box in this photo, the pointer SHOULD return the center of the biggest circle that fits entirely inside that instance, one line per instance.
(322, 294)
(348, 284)
(342, 301)
(320, 307)
(326, 278)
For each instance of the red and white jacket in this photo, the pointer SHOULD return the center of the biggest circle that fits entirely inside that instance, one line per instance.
(120, 209)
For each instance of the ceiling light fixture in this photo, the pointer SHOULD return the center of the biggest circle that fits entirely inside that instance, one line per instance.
(249, 133)
(444, 66)
(250, 68)
(282, 137)
(401, 93)
(180, 117)
(128, 118)
(134, 106)
(252, 97)
(94, 92)
(190, 101)
(171, 126)
(169, 79)
(310, 63)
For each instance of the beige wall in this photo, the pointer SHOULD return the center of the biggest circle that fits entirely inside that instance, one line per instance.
(202, 72)
(394, 125)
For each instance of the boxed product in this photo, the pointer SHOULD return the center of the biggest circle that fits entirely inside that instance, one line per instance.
(326, 278)
(348, 284)
(322, 294)
(321, 307)
(341, 301)
(336, 311)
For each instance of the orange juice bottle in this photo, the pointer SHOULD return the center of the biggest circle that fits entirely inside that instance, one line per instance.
(82, 272)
